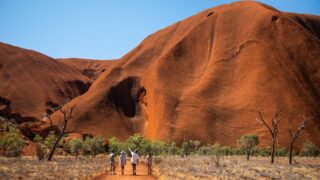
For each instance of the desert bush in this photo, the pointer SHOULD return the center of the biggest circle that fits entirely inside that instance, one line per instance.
(171, 148)
(195, 145)
(139, 143)
(218, 153)
(86, 149)
(38, 138)
(185, 149)
(97, 145)
(76, 146)
(309, 149)
(158, 147)
(238, 151)
(146, 147)
(12, 142)
(204, 150)
(93, 146)
(215, 148)
(40, 147)
(281, 152)
(117, 146)
(248, 142)
(264, 151)
(189, 147)
(49, 140)
(226, 150)
(45, 144)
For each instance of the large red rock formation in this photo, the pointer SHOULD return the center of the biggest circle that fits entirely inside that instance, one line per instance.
(207, 76)
(32, 83)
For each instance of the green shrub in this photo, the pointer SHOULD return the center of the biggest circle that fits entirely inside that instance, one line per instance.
(309, 149)
(264, 152)
(238, 151)
(49, 140)
(40, 147)
(171, 148)
(76, 146)
(93, 146)
(195, 145)
(216, 149)
(139, 143)
(247, 142)
(116, 146)
(204, 150)
(185, 149)
(281, 152)
(158, 147)
(38, 138)
(86, 149)
(226, 150)
(12, 142)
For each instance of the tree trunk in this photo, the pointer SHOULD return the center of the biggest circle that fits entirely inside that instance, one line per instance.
(57, 140)
(54, 147)
(248, 152)
(290, 153)
(273, 150)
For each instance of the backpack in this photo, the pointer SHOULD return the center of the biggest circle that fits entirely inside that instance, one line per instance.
(111, 158)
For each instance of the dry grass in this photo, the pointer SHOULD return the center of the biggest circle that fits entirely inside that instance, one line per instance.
(236, 167)
(58, 168)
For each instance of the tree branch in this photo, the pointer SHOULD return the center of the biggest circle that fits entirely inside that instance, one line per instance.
(262, 121)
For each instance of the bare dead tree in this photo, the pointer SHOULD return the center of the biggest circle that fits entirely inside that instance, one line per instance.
(273, 129)
(68, 113)
(295, 135)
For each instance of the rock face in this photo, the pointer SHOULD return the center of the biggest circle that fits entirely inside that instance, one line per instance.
(206, 77)
(32, 83)
(90, 68)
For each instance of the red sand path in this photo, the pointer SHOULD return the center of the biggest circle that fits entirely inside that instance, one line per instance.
(141, 173)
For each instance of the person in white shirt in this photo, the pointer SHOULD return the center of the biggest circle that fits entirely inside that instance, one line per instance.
(134, 160)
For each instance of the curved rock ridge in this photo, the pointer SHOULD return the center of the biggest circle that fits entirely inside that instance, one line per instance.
(89, 67)
(207, 76)
(32, 83)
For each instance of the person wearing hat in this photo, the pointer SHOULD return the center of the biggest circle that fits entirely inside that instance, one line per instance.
(122, 161)
(112, 163)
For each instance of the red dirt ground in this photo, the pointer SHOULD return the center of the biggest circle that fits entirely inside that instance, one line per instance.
(141, 173)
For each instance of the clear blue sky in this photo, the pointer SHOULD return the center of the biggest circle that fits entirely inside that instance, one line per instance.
(103, 29)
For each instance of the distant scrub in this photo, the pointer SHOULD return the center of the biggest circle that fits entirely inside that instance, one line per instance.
(90, 146)
(195, 147)
(94, 145)
(159, 147)
(309, 149)
(247, 142)
(12, 142)
(44, 144)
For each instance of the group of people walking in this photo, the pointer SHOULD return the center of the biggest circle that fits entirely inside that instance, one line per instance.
(134, 162)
